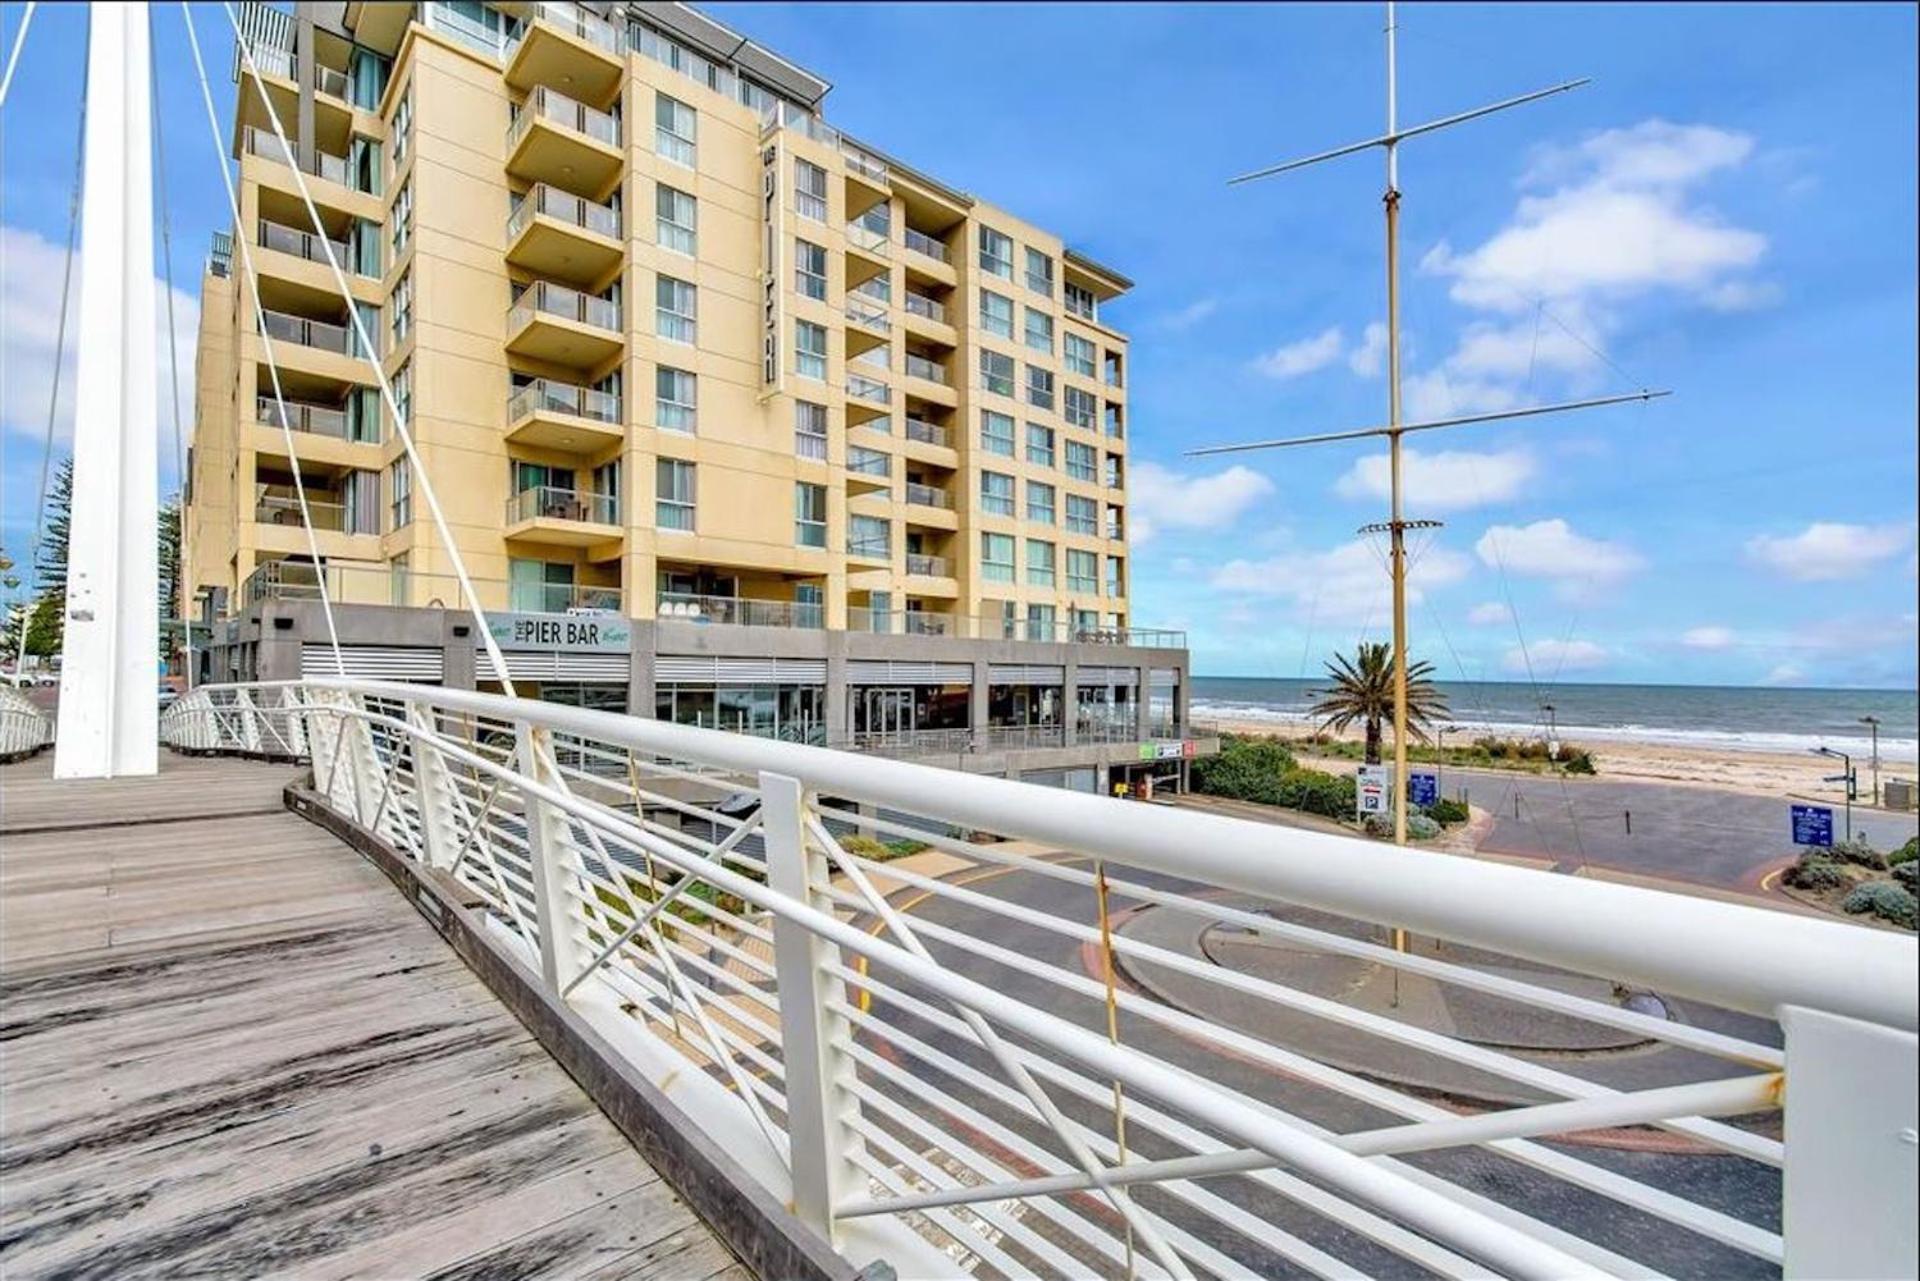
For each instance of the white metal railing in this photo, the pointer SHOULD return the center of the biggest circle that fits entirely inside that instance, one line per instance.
(556, 108)
(574, 20)
(24, 728)
(921, 243)
(551, 202)
(969, 1098)
(741, 611)
(548, 502)
(547, 396)
(545, 298)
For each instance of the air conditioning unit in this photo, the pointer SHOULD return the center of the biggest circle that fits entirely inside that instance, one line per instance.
(1898, 793)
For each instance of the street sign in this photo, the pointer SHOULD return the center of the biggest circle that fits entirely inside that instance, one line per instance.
(1370, 790)
(1813, 825)
(1423, 789)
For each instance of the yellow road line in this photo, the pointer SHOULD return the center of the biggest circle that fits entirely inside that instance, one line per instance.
(977, 874)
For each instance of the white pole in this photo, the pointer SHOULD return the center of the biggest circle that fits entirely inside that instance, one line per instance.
(109, 711)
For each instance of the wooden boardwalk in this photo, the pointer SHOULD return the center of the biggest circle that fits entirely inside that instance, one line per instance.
(228, 1047)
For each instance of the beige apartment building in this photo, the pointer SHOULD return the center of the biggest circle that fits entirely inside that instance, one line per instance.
(733, 419)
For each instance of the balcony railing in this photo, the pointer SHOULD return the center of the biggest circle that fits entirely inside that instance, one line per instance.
(913, 742)
(869, 389)
(1120, 728)
(578, 211)
(864, 163)
(1022, 736)
(741, 611)
(546, 396)
(545, 298)
(284, 509)
(921, 367)
(320, 420)
(927, 566)
(864, 237)
(867, 316)
(546, 502)
(921, 243)
(921, 305)
(919, 495)
(264, 143)
(869, 462)
(333, 82)
(556, 108)
(563, 598)
(319, 334)
(929, 433)
(301, 244)
(574, 21)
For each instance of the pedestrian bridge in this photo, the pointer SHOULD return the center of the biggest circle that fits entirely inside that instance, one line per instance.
(379, 978)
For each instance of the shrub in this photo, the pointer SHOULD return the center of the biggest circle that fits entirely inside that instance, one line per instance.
(902, 848)
(1422, 828)
(1816, 874)
(1858, 852)
(1246, 769)
(1906, 873)
(1316, 792)
(1448, 812)
(1885, 900)
(864, 847)
(1906, 853)
(1576, 760)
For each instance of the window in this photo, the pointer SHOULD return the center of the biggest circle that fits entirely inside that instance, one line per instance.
(402, 384)
(1083, 571)
(606, 492)
(675, 305)
(1039, 272)
(996, 253)
(1080, 406)
(996, 313)
(1080, 302)
(1080, 460)
(673, 494)
(399, 493)
(996, 433)
(1039, 387)
(1116, 474)
(809, 190)
(1040, 623)
(1116, 576)
(1039, 503)
(399, 578)
(996, 557)
(402, 305)
(996, 493)
(401, 130)
(1083, 515)
(539, 586)
(870, 536)
(673, 130)
(675, 220)
(402, 217)
(675, 398)
(1079, 354)
(1039, 445)
(1039, 331)
(1039, 563)
(809, 515)
(1115, 427)
(810, 269)
(1113, 375)
(809, 430)
(996, 373)
(809, 349)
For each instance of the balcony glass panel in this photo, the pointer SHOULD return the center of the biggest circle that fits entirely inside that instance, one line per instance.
(544, 502)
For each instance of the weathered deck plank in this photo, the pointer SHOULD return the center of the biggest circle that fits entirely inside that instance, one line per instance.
(229, 1048)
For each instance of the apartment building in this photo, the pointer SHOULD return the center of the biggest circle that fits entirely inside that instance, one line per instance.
(734, 420)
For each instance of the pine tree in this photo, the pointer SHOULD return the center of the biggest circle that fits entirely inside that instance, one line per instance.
(45, 630)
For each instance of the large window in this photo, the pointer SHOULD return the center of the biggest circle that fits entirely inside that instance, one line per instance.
(1080, 461)
(1080, 407)
(996, 557)
(401, 129)
(996, 493)
(809, 349)
(402, 217)
(996, 253)
(1040, 509)
(1039, 445)
(809, 190)
(996, 373)
(809, 515)
(996, 313)
(996, 433)
(399, 494)
(1039, 331)
(1039, 272)
(810, 269)
(673, 129)
(675, 399)
(1080, 302)
(673, 494)
(1083, 515)
(1083, 571)
(1116, 576)
(675, 314)
(1039, 562)
(1039, 387)
(809, 429)
(402, 384)
(402, 306)
(676, 218)
(1080, 355)
(870, 537)
(539, 586)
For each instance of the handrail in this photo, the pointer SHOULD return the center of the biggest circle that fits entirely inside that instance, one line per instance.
(549, 502)
(569, 113)
(928, 433)
(551, 202)
(320, 420)
(547, 298)
(919, 495)
(547, 395)
(921, 243)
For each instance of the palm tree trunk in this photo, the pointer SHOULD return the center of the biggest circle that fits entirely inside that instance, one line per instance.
(1373, 740)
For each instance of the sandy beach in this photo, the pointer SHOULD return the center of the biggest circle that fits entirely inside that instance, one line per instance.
(1775, 774)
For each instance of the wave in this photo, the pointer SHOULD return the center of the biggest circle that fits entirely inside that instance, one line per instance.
(1858, 746)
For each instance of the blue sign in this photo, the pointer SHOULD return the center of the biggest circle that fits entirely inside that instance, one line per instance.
(1812, 825)
(1422, 789)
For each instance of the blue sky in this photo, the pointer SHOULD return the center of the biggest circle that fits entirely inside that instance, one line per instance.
(1728, 210)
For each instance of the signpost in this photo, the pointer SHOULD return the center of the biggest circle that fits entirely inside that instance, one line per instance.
(1423, 789)
(1813, 825)
(1370, 790)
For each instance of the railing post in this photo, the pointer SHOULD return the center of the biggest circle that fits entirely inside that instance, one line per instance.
(434, 782)
(362, 764)
(813, 1038)
(550, 847)
(249, 722)
(1852, 1126)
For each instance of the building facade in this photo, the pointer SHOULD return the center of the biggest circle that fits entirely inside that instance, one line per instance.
(734, 420)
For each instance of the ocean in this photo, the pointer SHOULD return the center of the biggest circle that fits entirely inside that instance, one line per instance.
(1700, 716)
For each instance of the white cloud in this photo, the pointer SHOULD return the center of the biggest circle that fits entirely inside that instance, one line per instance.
(30, 267)
(1345, 584)
(1446, 481)
(1709, 638)
(1548, 658)
(1161, 498)
(1303, 357)
(1491, 613)
(1784, 674)
(1370, 356)
(1551, 549)
(1824, 551)
(1190, 315)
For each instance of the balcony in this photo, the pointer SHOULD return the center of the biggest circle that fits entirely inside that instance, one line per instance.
(323, 510)
(302, 244)
(927, 247)
(870, 390)
(926, 308)
(922, 566)
(266, 145)
(317, 420)
(919, 495)
(554, 139)
(547, 414)
(564, 598)
(321, 335)
(930, 370)
(864, 165)
(563, 326)
(562, 43)
(562, 517)
(561, 236)
(925, 433)
(740, 611)
(868, 316)
(868, 240)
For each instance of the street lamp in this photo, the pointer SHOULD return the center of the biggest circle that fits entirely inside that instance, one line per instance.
(1848, 777)
(1553, 733)
(1873, 726)
(1440, 758)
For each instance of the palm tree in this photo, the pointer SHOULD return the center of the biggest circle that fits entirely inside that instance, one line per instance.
(1363, 691)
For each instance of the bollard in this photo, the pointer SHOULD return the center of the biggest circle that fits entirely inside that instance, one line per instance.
(1629, 817)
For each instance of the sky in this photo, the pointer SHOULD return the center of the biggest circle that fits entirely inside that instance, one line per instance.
(1726, 211)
